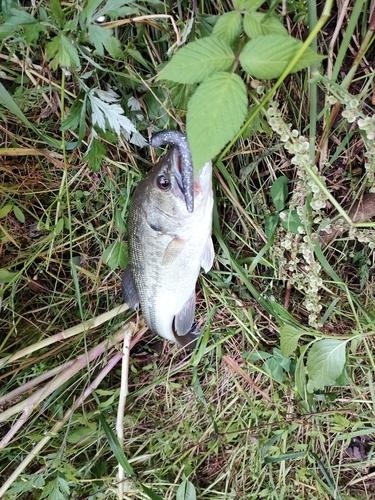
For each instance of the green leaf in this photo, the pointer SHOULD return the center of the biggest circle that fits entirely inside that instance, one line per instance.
(57, 12)
(94, 155)
(63, 52)
(215, 114)
(279, 192)
(289, 336)
(198, 60)
(76, 116)
(266, 57)
(290, 220)
(79, 434)
(6, 276)
(325, 363)
(270, 225)
(228, 26)
(116, 255)
(300, 377)
(18, 214)
(102, 38)
(19, 18)
(272, 367)
(247, 5)
(186, 491)
(259, 24)
(115, 447)
(4, 211)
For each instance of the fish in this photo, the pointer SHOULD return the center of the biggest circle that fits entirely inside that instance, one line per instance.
(169, 241)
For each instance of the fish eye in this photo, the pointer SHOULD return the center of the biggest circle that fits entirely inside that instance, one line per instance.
(163, 182)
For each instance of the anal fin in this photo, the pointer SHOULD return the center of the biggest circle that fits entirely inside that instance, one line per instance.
(129, 292)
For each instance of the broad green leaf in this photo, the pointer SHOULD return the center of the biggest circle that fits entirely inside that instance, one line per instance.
(19, 214)
(325, 363)
(198, 60)
(289, 336)
(215, 114)
(279, 192)
(4, 211)
(63, 52)
(6, 276)
(79, 434)
(270, 225)
(247, 5)
(291, 220)
(99, 36)
(102, 39)
(259, 24)
(273, 368)
(19, 18)
(228, 26)
(116, 255)
(266, 57)
(186, 491)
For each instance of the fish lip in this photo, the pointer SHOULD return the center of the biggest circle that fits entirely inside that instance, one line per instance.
(184, 175)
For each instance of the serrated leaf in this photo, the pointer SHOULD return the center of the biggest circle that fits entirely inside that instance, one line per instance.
(106, 110)
(6, 276)
(215, 114)
(228, 26)
(279, 192)
(266, 57)
(325, 363)
(116, 255)
(63, 52)
(57, 12)
(102, 38)
(247, 5)
(289, 336)
(198, 60)
(18, 214)
(99, 36)
(291, 221)
(94, 154)
(77, 116)
(259, 24)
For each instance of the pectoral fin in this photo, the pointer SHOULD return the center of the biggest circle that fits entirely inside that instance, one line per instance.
(128, 289)
(208, 255)
(173, 250)
(184, 319)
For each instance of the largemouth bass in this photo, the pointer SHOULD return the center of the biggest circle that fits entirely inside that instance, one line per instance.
(169, 241)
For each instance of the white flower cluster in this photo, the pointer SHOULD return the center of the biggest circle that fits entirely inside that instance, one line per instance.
(296, 252)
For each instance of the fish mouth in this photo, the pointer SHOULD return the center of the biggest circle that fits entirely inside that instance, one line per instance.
(186, 185)
(182, 164)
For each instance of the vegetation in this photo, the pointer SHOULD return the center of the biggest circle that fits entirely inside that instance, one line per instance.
(277, 401)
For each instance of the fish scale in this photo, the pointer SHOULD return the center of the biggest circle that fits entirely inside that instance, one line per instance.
(167, 247)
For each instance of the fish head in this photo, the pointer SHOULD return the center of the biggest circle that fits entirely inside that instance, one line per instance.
(163, 186)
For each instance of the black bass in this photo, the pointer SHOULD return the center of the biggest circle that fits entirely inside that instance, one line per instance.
(169, 228)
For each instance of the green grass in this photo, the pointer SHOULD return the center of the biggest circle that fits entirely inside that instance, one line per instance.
(253, 412)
